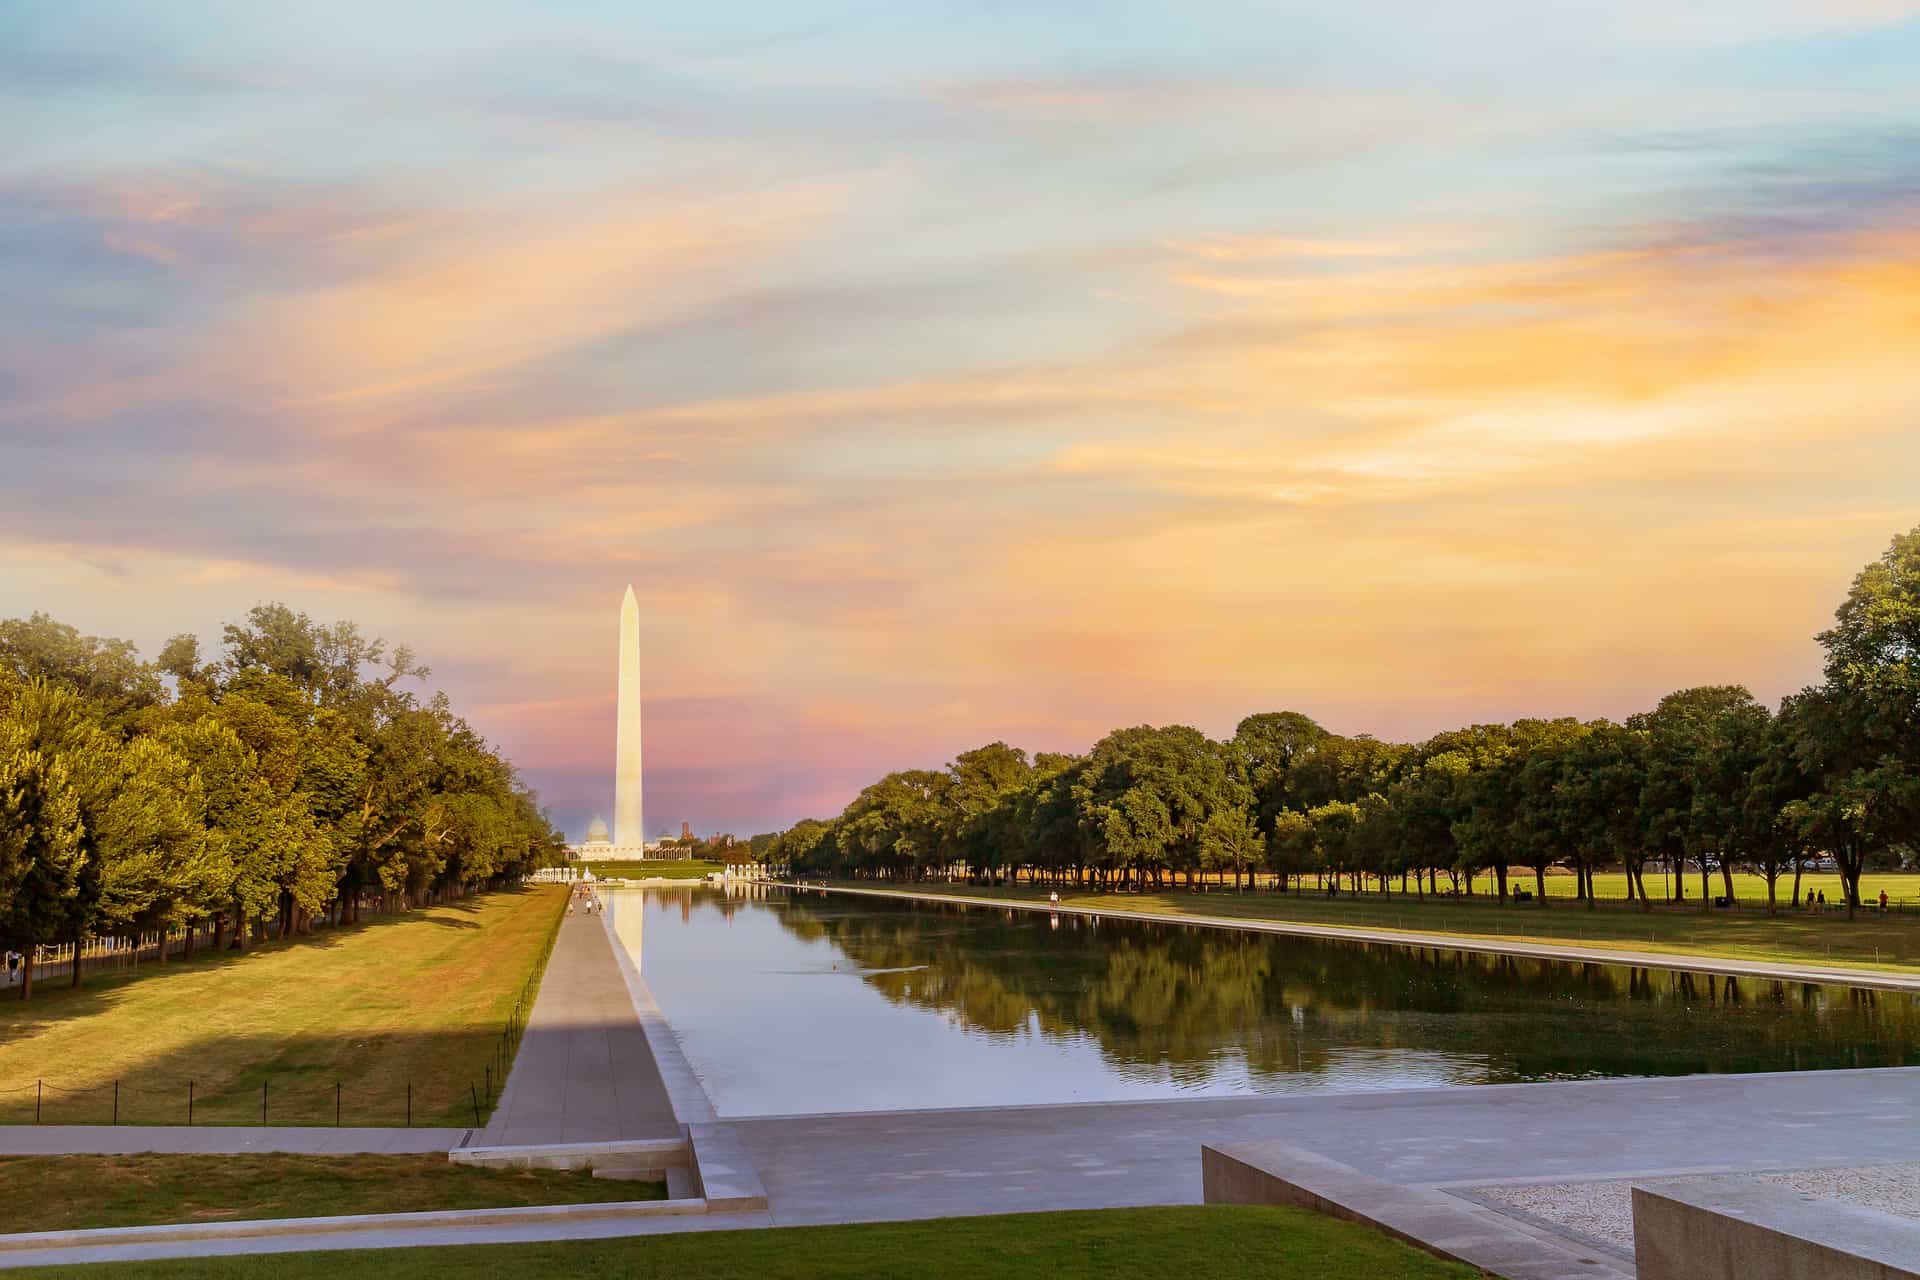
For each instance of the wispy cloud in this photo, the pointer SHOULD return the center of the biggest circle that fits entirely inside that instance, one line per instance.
(944, 378)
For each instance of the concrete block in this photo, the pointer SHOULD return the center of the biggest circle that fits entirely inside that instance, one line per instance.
(1443, 1225)
(723, 1169)
(657, 1153)
(1741, 1229)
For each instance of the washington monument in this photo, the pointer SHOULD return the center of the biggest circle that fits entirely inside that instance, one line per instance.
(628, 830)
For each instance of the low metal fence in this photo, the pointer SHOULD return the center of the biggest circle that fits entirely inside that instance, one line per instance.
(281, 1099)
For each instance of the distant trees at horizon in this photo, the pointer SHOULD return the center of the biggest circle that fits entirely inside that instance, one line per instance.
(291, 775)
(1709, 777)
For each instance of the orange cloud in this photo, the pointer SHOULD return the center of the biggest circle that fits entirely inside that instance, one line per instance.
(454, 302)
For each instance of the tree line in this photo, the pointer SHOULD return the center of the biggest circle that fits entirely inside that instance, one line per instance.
(293, 776)
(1709, 778)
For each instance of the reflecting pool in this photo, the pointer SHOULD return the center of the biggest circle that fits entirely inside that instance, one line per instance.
(795, 1001)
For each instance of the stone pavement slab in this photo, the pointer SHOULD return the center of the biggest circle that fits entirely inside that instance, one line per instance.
(896, 1165)
(129, 1139)
(584, 1071)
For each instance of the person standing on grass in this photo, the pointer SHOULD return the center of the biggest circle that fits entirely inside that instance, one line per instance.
(1883, 902)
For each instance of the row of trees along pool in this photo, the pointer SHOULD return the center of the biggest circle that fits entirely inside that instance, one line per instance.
(1709, 779)
(290, 779)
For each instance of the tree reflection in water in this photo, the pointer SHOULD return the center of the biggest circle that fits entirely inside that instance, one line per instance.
(1192, 1002)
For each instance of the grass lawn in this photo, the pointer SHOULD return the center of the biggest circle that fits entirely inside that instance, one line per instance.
(1221, 1240)
(1873, 941)
(418, 998)
(73, 1192)
(1903, 887)
(664, 868)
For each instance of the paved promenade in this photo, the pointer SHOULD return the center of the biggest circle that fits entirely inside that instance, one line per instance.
(919, 1164)
(1881, 979)
(585, 1071)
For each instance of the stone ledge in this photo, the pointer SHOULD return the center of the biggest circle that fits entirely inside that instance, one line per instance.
(1735, 1228)
(723, 1170)
(656, 1153)
(685, 1093)
(1440, 1224)
(259, 1227)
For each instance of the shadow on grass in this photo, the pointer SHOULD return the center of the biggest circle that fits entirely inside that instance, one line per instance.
(55, 997)
(431, 1079)
(218, 1037)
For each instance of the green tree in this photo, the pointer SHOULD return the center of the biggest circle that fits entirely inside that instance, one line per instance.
(1293, 849)
(1336, 825)
(1230, 839)
(41, 837)
(1265, 747)
(979, 785)
(108, 674)
(1860, 735)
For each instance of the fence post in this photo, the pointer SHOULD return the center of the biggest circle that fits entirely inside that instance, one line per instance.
(489, 1079)
(189, 1104)
(409, 1104)
(263, 1102)
(476, 1104)
(336, 1104)
(38, 1085)
(116, 1102)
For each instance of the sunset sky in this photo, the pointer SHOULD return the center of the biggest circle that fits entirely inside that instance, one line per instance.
(948, 372)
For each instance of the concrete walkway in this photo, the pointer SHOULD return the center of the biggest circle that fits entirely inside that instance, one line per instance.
(131, 1139)
(1881, 979)
(917, 1164)
(584, 1072)
(901, 1165)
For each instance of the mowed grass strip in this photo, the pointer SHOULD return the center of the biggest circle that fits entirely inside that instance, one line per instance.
(1903, 887)
(71, 1193)
(418, 998)
(1873, 941)
(1253, 1243)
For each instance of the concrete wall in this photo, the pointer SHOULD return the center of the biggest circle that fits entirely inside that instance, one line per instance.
(1429, 1219)
(1739, 1229)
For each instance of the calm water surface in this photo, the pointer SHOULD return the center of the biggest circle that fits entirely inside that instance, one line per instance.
(794, 1001)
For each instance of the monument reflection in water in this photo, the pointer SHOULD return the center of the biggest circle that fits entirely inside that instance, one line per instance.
(795, 1001)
